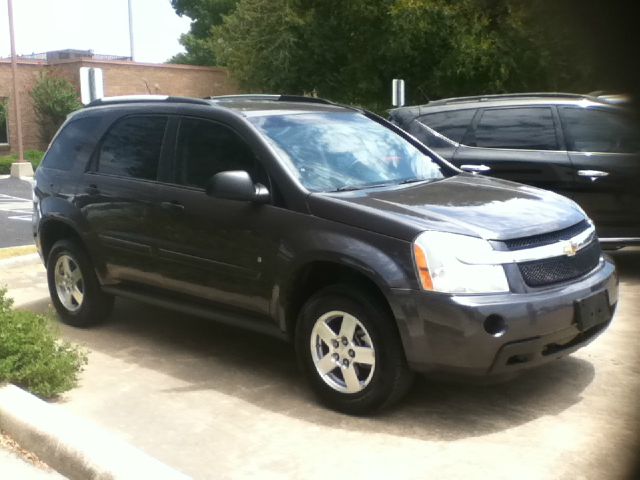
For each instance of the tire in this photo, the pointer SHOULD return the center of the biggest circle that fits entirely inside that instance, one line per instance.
(373, 351)
(73, 286)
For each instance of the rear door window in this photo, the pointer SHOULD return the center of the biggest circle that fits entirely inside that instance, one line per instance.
(453, 124)
(131, 148)
(516, 128)
(74, 144)
(595, 130)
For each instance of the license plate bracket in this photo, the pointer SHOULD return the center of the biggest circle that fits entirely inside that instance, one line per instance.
(591, 311)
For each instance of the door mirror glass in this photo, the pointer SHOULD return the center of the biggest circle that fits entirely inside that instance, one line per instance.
(237, 185)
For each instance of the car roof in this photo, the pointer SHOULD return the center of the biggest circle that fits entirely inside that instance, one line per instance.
(246, 105)
(504, 100)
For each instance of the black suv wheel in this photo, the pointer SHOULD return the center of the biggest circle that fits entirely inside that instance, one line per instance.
(73, 286)
(350, 350)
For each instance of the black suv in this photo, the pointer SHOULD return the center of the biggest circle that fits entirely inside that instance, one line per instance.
(321, 224)
(586, 148)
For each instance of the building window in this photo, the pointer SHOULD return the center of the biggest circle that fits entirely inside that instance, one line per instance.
(4, 120)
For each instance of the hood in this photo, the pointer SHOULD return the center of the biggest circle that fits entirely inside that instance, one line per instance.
(467, 204)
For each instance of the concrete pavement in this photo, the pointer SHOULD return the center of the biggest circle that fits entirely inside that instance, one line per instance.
(13, 467)
(215, 402)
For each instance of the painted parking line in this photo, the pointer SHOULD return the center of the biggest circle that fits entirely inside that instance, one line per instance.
(20, 206)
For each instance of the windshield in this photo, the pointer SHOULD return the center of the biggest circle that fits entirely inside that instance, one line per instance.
(344, 151)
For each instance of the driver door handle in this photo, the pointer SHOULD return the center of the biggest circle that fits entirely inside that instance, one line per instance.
(475, 168)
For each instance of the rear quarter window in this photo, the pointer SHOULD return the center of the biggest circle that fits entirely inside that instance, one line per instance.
(73, 145)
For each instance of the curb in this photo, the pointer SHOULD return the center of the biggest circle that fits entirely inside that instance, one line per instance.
(72, 446)
(20, 260)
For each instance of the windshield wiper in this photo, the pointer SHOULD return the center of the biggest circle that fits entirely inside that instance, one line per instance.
(348, 188)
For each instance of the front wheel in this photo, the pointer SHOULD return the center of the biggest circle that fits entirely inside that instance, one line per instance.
(350, 350)
(73, 286)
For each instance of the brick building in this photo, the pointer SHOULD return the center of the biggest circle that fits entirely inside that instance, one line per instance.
(121, 77)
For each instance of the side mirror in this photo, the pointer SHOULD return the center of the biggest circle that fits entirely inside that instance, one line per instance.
(237, 185)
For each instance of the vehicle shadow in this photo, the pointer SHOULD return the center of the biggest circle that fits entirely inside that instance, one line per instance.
(627, 263)
(263, 371)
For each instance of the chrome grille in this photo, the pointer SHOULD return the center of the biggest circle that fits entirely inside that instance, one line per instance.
(547, 238)
(561, 269)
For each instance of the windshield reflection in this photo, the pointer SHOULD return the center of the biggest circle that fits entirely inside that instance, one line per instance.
(344, 151)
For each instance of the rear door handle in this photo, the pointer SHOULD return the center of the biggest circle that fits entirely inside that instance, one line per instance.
(92, 190)
(173, 206)
(475, 168)
(592, 174)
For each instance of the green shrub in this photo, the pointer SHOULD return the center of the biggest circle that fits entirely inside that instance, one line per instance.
(53, 99)
(33, 156)
(31, 354)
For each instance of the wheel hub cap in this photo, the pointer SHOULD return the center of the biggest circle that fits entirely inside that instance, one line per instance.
(69, 283)
(342, 352)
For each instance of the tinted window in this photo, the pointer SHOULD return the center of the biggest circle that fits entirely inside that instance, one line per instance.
(520, 128)
(75, 143)
(589, 130)
(428, 136)
(206, 148)
(452, 125)
(132, 146)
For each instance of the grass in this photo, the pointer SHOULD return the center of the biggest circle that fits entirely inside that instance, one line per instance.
(15, 251)
(32, 156)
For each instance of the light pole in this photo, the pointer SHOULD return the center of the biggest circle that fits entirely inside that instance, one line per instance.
(17, 170)
(130, 29)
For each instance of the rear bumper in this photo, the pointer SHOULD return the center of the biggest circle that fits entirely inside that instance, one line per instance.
(446, 333)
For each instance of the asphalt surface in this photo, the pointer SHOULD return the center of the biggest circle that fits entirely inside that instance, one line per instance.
(15, 212)
(215, 402)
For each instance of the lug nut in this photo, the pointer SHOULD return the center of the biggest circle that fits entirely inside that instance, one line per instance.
(335, 343)
(352, 353)
(335, 356)
(345, 362)
(345, 341)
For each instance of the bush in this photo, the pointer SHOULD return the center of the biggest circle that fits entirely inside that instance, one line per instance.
(32, 356)
(32, 156)
(53, 99)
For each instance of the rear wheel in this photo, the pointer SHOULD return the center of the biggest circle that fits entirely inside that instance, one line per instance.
(349, 347)
(73, 286)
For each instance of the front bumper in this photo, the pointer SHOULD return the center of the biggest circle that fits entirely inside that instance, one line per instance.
(446, 333)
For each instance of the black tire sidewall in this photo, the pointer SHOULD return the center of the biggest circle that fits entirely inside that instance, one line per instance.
(389, 354)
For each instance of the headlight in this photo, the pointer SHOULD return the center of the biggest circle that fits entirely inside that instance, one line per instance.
(440, 270)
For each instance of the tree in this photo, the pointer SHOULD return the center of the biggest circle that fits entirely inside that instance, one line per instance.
(198, 42)
(53, 99)
(350, 51)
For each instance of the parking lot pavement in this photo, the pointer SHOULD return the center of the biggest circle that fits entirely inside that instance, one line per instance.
(215, 402)
(16, 206)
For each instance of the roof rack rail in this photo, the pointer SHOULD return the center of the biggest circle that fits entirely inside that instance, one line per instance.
(145, 98)
(270, 97)
(499, 96)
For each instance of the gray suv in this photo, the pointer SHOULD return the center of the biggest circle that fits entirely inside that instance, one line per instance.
(322, 225)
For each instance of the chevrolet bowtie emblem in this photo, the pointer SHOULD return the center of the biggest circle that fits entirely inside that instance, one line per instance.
(570, 249)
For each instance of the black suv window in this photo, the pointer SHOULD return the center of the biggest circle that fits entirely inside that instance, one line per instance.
(205, 148)
(452, 125)
(518, 128)
(593, 130)
(132, 147)
(75, 143)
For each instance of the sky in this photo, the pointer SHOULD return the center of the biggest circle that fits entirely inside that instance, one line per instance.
(98, 25)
